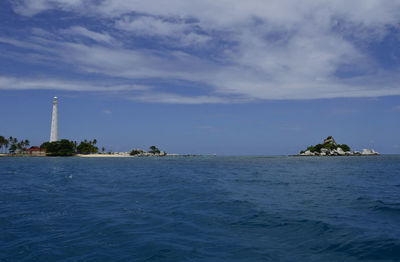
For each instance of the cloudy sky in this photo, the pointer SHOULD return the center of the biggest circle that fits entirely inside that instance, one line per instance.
(227, 77)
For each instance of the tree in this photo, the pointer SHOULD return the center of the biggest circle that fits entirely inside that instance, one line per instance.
(13, 148)
(44, 146)
(154, 150)
(21, 146)
(103, 149)
(317, 148)
(344, 147)
(329, 146)
(135, 152)
(63, 147)
(2, 142)
(6, 144)
(311, 148)
(87, 147)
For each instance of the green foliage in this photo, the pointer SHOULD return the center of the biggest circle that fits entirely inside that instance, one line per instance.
(135, 152)
(63, 147)
(318, 147)
(13, 148)
(15, 145)
(344, 147)
(329, 146)
(3, 142)
(87, 147)
(311, 148)
(44, 145)
(154, 150)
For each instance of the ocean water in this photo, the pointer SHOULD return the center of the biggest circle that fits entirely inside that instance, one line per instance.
(200, 209)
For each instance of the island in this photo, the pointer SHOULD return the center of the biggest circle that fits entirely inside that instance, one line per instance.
(329, 147)
(65, 147)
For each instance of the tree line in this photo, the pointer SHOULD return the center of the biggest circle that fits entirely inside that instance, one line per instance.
(63, 147)
(153, 151)
(12, 144)
(66, 147)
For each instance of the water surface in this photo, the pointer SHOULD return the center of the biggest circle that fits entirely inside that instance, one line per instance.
(200, 209)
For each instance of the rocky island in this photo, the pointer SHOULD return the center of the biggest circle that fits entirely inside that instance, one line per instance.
(330, 148)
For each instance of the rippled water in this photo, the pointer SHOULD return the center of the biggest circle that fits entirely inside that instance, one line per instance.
(200, 209)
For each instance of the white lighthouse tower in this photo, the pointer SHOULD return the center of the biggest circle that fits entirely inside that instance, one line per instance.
(54, 121)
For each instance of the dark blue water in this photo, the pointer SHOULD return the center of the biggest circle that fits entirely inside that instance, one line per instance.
(200, 209)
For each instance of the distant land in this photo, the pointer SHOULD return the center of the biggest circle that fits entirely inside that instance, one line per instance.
(64, 147)
(329, 147)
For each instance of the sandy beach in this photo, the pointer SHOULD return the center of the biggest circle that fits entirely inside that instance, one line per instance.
(103, 155)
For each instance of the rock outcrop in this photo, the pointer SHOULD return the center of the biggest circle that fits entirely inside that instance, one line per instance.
(367, 152)
(330, 148)
(330, 140)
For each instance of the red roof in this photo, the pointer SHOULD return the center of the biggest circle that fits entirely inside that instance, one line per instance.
(34, 149)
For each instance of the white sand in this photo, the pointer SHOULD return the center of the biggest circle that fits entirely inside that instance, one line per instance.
(102, 155)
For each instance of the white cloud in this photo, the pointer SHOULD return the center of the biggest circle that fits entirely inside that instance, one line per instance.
(14, 83)
(277, 49)
(29, 7)
(179, 99)
(82, 31)
(147, 25)
(181, 32)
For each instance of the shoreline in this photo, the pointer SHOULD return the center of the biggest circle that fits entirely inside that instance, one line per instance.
(102, 155)
(178, 155)
(87, 156)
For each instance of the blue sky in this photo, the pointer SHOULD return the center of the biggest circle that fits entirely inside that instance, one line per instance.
(225, 77)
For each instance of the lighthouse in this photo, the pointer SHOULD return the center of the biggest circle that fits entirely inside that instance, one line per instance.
(54, 121)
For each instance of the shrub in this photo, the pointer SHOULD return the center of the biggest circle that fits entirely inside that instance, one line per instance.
(87, 147)
(311, 148)
(154, 150)
(329, 146)
(63, 147)
(135, 152)
(344, 147)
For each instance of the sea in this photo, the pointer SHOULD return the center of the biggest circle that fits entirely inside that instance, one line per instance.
(203, 208)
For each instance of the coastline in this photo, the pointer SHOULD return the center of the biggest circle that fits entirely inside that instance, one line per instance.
(102, 155)
(84, 155)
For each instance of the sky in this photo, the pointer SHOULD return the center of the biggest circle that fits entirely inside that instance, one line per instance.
(203, 77)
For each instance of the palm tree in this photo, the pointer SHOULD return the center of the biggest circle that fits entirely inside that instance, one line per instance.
(103, 149)
(2, 142)
(26, 145)
(13, 147)
(6, 144)
(20, 146)
(10, 140)
(26, 142)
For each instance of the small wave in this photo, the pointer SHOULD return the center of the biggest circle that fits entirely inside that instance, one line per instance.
(370, 250)
(390, 208)
(255, 219)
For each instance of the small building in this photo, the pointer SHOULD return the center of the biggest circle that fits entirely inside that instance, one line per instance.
(35, 150)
